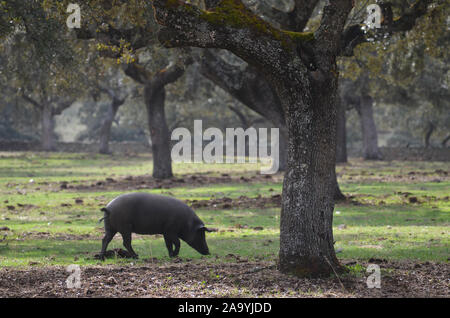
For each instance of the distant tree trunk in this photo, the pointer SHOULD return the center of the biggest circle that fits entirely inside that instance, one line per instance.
(155, 96)
(369, 129)
(105, 130)
(430, 129)
(48, 138)
(341, 135)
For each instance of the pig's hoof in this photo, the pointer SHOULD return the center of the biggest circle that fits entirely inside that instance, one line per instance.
(135, 256)
(100, 257)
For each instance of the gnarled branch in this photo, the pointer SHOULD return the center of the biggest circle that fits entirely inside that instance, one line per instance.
(355, 35)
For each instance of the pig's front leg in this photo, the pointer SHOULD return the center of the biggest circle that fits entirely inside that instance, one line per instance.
(170, 241)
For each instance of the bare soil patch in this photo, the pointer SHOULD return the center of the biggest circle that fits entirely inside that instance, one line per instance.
(148, 182)
(242, 202)
(233, 277)
(35, 235)
(437, 175)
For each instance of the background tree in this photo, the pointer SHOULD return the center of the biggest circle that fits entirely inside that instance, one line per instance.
(36, 69)
(405, 77)
(108, 80)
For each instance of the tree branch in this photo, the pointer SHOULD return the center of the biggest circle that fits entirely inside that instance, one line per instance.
(247, 86)
(229, 25)
(329, 33)
(355, 35)
(137, 72)
(62, 106)
(31, 101)
(170, 74)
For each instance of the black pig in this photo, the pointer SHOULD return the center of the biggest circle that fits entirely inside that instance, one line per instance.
(144, 213)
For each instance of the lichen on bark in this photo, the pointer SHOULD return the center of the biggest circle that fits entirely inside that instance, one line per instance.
(234, 14)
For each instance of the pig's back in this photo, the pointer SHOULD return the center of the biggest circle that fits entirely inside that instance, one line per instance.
(149, 213)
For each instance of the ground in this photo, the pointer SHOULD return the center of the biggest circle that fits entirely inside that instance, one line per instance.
(396, 216)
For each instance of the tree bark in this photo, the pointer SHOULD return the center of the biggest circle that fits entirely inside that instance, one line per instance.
(48, 138)
(369, 129)
(105, 130)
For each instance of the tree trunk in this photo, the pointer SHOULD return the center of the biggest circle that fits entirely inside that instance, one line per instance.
(341, 135)
(155, 96)
(430, 129)
(369, 129)
(306, 235)
(48, 138)
(105, 130)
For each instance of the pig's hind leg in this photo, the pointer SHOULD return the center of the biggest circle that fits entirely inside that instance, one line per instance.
(106, 239)
(172, 240)
(126, 236)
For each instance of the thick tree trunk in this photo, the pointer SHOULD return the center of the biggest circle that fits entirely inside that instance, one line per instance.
(306, 237)
(341, 135)
(105, 130)
(159, 132)
(369, 129)
(48, 138)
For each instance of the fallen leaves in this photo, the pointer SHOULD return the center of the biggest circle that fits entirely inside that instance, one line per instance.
(237, 276)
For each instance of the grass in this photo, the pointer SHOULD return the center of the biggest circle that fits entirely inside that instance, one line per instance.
(48, 227)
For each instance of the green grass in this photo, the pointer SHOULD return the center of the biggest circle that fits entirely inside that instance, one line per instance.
(381, 222)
